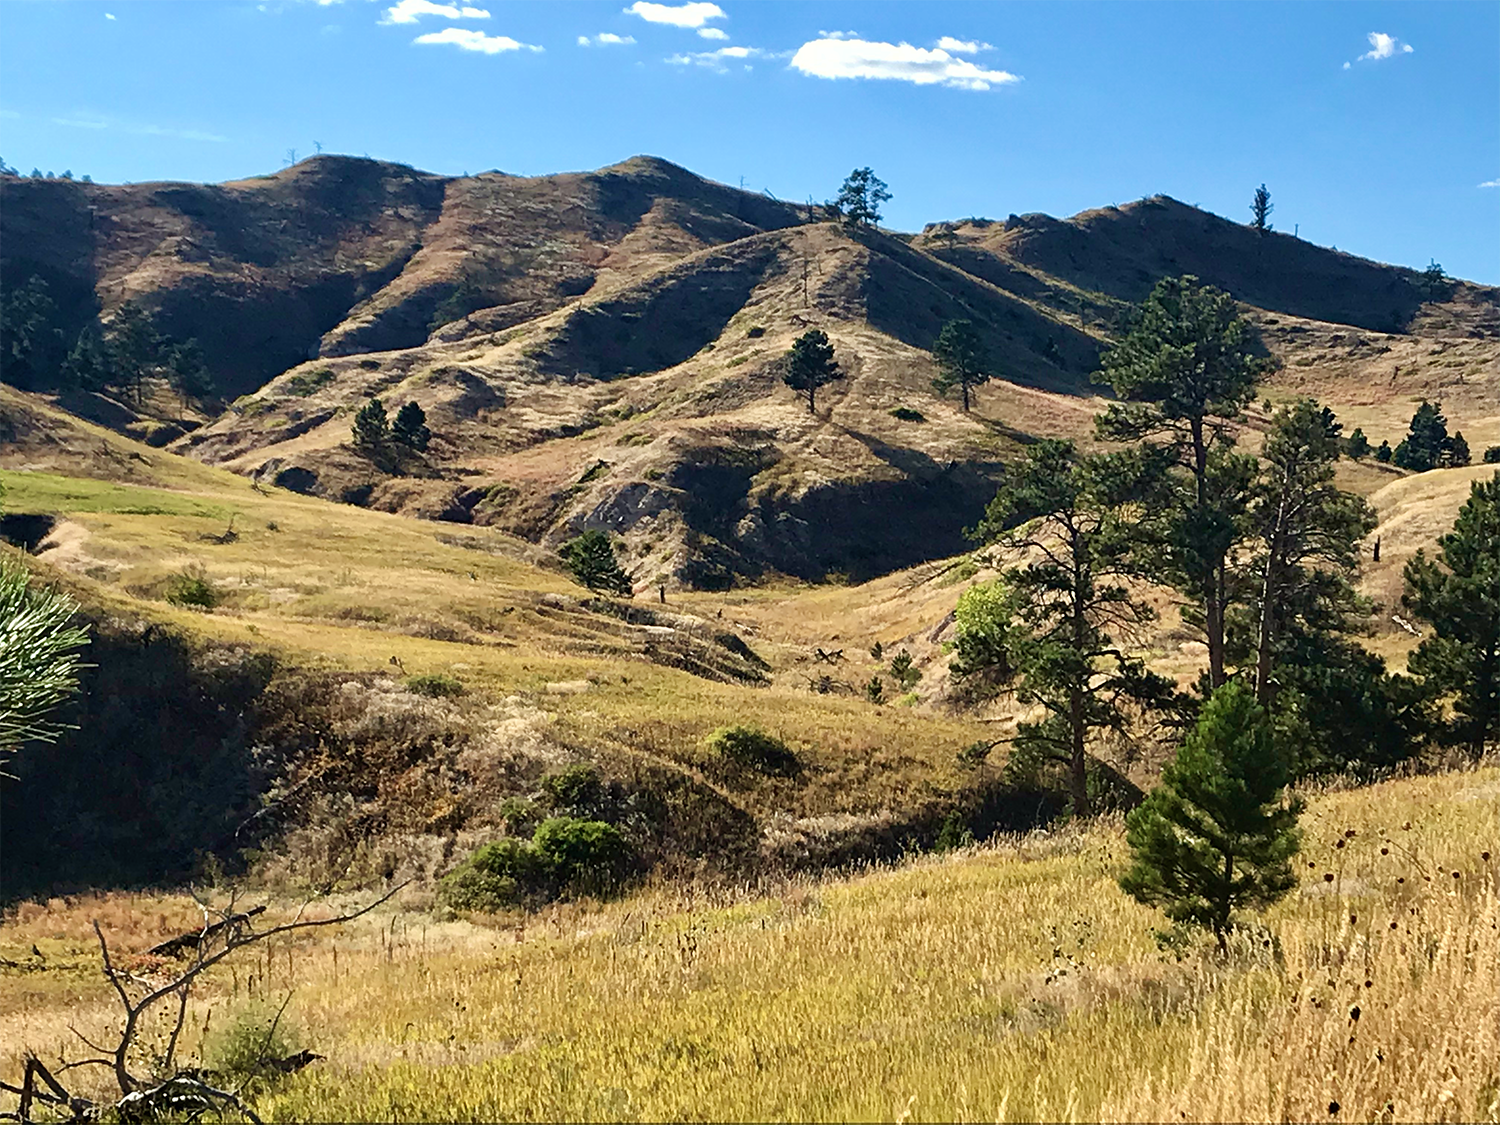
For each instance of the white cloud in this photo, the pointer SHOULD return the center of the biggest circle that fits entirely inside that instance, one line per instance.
(109, 15)
(1491, 183)
(410, 11)
(1383, 46)
(681, 15)
(858, 58)
(838, 35)
(716, 60)
(467, 39)
(962, 46)
(712, 33)
(605, 39)
(95, 121)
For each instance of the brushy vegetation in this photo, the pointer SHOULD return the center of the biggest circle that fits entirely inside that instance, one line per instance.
(434, 685)
(1011, 982)
(754, 749)
(565, 855)
(192, 587)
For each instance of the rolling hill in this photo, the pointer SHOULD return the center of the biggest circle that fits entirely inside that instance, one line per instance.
(600, 349)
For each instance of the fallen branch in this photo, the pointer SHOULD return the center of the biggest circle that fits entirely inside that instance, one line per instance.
(173, 946)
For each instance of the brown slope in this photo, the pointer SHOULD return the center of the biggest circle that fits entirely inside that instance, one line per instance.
(653, 406)
(1121, 252)
(339, 255)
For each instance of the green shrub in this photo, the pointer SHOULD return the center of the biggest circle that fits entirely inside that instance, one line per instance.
(907, 414)
(564, 855)
(755, 332)
(505, 873)
(1492, 455)
(240, 1051)
(306, 382)
(754, 749)
(576, 790)
(192, 587)
(589, 856)
(434, 686)
(954, 832)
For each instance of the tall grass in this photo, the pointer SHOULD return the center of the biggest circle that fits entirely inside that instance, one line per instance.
(1012, 982)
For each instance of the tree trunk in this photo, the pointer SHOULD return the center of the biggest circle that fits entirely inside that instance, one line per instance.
(1079, 763)
(965, 386)
(1270, 593)
(1221, 923)
(1214, 589)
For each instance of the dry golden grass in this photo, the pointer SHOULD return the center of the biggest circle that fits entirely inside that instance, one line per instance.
(1012, 982)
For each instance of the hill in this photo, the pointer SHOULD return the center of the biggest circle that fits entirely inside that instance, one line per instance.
(600, 349)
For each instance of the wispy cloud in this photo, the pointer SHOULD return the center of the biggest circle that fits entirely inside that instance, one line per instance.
(718, 61)
(859, 58)
(98, 121)
(109, 15)
(467, 39)
(605, 39)
(1382, 46)
(962, 46)
(712, 33)
(838, 35)
(679, 15)
(1491, 183)
(410, 11)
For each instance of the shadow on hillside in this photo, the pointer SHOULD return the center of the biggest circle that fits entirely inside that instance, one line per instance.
(158, 771)
(911, 296)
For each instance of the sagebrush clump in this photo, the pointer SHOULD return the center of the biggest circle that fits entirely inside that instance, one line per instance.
(752, 748)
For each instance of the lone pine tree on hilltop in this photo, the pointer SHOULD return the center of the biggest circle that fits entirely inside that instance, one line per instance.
(860, 197)
(810, 365)
(1260, 209)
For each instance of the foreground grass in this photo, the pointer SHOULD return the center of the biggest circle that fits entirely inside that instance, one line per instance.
(1013, 982)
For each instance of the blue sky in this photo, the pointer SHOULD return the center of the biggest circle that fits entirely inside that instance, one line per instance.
(1373, 125)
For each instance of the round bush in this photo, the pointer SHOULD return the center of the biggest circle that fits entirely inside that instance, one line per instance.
(583, 855)
(752, 748)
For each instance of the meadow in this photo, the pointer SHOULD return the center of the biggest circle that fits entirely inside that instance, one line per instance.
(1011, 981)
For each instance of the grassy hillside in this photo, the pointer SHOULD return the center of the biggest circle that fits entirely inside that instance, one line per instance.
(1013, 982)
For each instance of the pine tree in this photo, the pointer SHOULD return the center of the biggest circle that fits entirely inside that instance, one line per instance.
(810, 365)
(1060, 649)
(1217, 835)
(90, 363)
(1186, 370)
(1458, 594)
(136, 348)
(410, 428)
(1456, 455)
(1261, 208)
(372, 430)
(590, 559)
(1305, 534)
(31, 346)
(860, 197)
(1357, 445)
(1383, 454)
(1426, 439)
(186, 372)
(961, 360)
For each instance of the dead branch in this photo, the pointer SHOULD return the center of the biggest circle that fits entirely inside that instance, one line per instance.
(172, 946)
(182, 1092)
